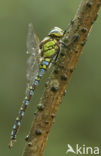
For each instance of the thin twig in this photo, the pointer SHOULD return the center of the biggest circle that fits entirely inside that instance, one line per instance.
(59, 78)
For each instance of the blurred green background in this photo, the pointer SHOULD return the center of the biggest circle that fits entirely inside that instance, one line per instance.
(79, 115)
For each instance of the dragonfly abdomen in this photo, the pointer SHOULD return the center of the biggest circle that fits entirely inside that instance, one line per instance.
(43, 67)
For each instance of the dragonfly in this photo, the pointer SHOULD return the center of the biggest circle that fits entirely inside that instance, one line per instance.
(42, 55)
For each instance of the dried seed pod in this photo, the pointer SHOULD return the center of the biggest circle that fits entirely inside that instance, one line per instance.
(84, 29)
(76, 36)
(52, 115)
(30, 144)
(26, 138)
(46, 122)
(89, 4)
(54, 88)
(40, 107)
(64, 77)
(71, 70)
(38, 132)
(76, 51)
(83, 43)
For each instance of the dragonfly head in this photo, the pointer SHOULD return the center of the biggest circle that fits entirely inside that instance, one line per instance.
(56, 32)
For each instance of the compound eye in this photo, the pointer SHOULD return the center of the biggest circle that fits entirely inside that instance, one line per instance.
(54, 31)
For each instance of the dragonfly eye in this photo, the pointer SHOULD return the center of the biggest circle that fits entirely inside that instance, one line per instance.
(57, 32)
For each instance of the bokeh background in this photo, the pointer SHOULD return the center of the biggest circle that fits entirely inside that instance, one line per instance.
(79, 115)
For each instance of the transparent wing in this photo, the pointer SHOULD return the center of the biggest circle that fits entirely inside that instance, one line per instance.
(34, 52)
(32, 40)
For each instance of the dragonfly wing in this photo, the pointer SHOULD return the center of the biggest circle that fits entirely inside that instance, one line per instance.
(32, 40)
(33, 50)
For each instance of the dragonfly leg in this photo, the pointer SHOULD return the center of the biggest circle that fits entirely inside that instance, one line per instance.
(75, 38)
(54, 58)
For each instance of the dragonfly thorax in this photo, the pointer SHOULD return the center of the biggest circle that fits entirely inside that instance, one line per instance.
(49, 47)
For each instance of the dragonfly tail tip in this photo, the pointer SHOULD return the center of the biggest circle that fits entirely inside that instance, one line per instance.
(10, 144)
